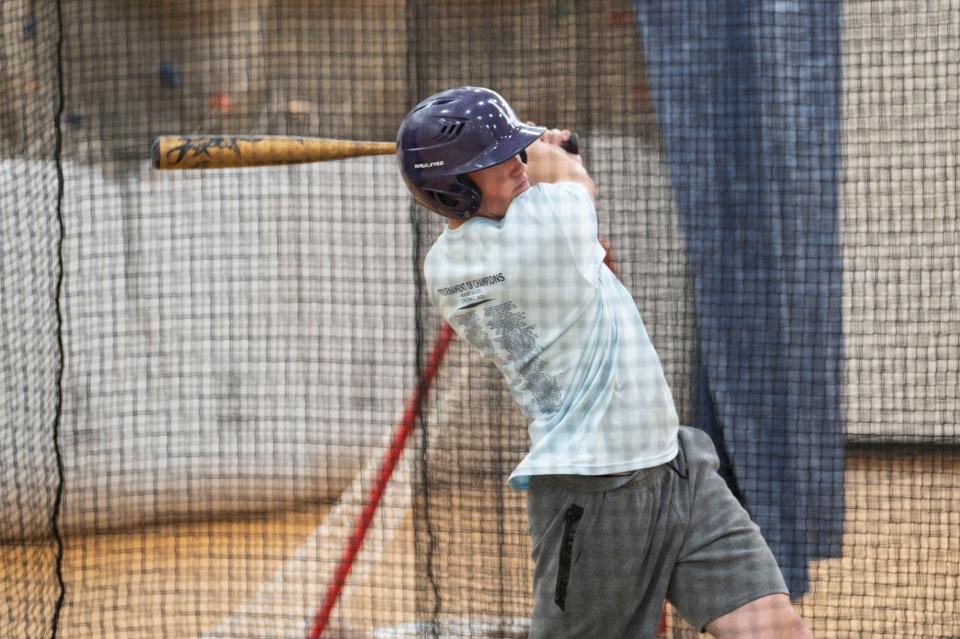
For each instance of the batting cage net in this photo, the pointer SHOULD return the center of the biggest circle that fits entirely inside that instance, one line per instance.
(228, 409)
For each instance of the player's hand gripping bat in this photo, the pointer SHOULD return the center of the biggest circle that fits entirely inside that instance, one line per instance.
(232, 151)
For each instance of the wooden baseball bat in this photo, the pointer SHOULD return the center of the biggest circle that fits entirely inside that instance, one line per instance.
(233, 151)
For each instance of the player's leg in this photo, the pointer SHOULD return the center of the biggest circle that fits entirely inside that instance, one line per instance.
(603, 550)
(770, 617)
(725, 580)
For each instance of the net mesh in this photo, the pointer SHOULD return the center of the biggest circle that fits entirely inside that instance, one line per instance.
(201, 371)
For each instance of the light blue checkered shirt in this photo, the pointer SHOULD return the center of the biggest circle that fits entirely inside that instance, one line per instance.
(531, 292)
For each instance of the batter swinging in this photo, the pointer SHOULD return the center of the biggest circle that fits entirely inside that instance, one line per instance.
(625, 506)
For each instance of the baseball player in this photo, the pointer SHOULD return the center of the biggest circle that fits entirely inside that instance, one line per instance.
(625, 507)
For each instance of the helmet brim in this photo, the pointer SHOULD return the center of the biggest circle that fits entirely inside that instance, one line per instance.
(524, 136)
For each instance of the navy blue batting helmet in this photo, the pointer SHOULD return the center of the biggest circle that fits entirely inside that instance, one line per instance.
(451, 134)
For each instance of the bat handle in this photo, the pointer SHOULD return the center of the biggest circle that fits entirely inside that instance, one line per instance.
(572, 145)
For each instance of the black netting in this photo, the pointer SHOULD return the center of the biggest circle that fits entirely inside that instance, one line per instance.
(201, 370)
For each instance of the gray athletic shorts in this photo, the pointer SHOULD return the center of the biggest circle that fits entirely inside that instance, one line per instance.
(609, 550)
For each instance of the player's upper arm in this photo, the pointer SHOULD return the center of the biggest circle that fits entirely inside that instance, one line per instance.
(587, 186)
(586, 182)
(578, 225)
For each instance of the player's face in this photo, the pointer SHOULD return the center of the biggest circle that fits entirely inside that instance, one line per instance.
(499, 184)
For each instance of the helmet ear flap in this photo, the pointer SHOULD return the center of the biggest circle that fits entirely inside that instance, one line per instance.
(471, 185)
(475, 197)
(460, 201)
(444, 199)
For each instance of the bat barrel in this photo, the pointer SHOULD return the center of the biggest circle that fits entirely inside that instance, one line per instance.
(155, 153)
(233, 151)
(200, 152)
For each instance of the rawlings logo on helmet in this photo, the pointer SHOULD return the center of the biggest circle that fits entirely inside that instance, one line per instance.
(428, 165)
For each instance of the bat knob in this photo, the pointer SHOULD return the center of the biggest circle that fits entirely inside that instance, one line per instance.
(155, 153)
(572, 145)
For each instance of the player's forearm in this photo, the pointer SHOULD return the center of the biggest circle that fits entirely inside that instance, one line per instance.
(550, 163)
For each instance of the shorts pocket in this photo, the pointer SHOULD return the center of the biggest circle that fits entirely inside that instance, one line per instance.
(571, 520)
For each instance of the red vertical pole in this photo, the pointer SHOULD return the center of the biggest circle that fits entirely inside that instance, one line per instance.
(391, 457)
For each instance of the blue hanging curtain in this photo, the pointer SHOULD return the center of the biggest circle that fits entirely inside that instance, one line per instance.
(747, 94)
